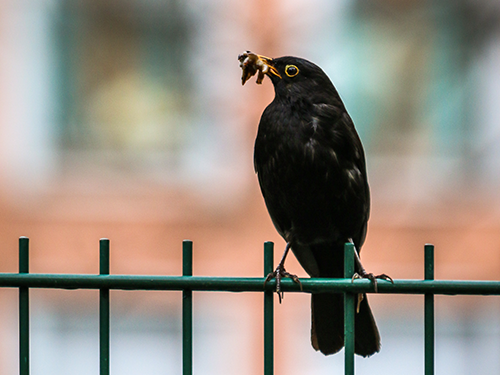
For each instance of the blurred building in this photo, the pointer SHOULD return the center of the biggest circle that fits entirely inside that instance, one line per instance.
(127, 120)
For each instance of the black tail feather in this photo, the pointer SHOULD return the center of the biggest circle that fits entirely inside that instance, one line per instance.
(327, 325)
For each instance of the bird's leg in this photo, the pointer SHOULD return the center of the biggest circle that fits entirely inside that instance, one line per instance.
(280, 272)
(362, 274)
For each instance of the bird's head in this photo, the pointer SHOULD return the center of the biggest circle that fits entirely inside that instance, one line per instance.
(289, 75)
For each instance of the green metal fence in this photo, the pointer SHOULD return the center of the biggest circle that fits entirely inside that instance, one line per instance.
(187, 283)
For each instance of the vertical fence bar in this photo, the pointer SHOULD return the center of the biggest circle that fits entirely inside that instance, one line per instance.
(104, 309)
(268, 312)
(349, 310)
(187, 310)
(429, 312)
(24, 310)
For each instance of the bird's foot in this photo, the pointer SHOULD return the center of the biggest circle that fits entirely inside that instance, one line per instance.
(278, 274)
(372, 277)
(360, 298)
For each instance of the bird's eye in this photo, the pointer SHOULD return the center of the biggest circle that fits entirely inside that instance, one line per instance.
(291, 70)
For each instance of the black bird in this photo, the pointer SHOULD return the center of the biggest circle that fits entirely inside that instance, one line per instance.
(311, 169)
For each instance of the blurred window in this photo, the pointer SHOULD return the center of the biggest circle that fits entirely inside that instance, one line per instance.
(412, 75)
(125, 82)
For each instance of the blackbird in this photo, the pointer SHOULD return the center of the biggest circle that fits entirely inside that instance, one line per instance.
(311, 169)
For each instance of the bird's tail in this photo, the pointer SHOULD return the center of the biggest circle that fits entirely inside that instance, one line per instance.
(327, 325)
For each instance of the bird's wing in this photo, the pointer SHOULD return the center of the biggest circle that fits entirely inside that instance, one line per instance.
(313, 176)
(343, 150)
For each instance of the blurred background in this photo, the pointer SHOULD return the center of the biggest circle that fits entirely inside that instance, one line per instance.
(127, 120)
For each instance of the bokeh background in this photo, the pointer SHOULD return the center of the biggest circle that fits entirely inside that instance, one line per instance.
(127, 119)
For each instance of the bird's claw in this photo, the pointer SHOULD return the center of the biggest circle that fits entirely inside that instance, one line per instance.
(373, 278)
(278, 274)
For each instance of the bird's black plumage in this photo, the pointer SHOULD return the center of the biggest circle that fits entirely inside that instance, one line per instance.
(311, 169)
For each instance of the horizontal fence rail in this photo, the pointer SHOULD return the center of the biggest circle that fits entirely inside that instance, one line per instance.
(247, 284)
(104, 282)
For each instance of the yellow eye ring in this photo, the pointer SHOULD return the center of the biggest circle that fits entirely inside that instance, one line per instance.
(291, 70)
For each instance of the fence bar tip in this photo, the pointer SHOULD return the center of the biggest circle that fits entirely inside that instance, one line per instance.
(268, 312)
(24, 310)
(429, 337)
(349, 312)
(187, 310)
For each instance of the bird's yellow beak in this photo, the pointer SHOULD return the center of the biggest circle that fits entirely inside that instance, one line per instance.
(251, 63)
